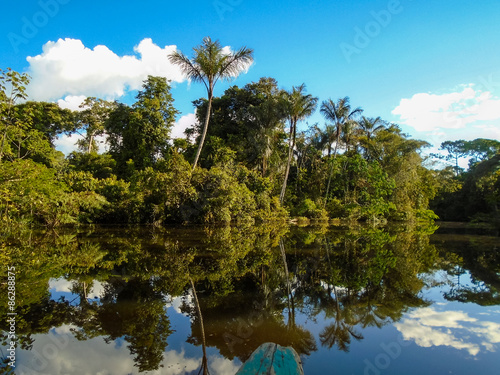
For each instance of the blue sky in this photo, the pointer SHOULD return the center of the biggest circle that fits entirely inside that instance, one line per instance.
(431, 66)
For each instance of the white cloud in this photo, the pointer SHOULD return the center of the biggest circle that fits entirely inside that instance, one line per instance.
(68, 67)
(72, 102)
(429, 327)
(60, 285)
(456, 110)
(67, 143)
(182, 124)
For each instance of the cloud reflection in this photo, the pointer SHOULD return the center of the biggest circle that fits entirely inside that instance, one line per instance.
(95, 356)
(429, 327)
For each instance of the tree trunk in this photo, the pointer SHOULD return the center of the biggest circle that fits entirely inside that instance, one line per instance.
(91, 140)
(203, 135)
(330, 174)
(291, 145)
(2, 147)
(204, 363)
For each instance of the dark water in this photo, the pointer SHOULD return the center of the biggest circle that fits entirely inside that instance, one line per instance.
(399, 300)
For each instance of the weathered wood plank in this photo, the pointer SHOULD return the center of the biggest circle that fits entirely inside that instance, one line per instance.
(272, 359)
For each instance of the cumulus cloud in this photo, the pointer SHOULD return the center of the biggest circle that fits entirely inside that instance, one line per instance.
(68, 67)
(72, 102)
(67, 143)
(182, 124)
(456, 110)
(429, 327)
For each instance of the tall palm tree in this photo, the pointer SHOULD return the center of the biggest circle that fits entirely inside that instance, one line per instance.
(298, 107)
(327, 138)
(350, 133)
(370, 126)
(211, 63)
(339, 114)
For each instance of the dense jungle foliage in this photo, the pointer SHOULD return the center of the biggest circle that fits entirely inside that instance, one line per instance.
(255, 165)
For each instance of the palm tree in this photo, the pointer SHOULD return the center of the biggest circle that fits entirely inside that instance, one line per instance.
(210, 64)
(370, 126)
(327, 138)
(341, 115)
(298, 107)
(350, 133)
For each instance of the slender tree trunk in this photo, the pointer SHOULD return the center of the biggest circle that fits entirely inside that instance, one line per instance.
(204, 363)
(291, 145)
(330, 174)
(91, 140)
(203, 135)
(291, 313)
(2, 147)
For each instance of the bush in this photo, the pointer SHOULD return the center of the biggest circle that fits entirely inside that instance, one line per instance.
(307, 208)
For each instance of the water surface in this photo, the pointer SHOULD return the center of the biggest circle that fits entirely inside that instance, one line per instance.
(349, 301)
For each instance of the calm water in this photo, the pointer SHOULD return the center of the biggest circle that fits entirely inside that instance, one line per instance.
(403, 300)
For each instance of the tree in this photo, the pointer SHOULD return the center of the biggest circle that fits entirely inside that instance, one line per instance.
(141, 133)
(92, 119)
(248, 120)
(456, 150)
(48, 118)
(210, 64)
(369, 127)
(481, 149)
(298, 107)
(8, 120)
(339, 113)
(400, 158)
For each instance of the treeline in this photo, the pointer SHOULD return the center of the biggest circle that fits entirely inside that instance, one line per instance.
(255, 165)
(472, 194)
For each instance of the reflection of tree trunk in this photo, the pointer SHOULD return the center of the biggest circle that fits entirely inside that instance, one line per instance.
(291, 306)
(204, 363)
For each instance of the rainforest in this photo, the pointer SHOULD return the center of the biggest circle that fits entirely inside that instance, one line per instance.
(244, 161)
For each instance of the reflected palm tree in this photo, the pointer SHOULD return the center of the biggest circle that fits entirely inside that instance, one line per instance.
(204, 361)
(339, 332)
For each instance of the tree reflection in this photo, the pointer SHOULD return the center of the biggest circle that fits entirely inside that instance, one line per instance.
(479, 258)
(359, 278)
(250, 285)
